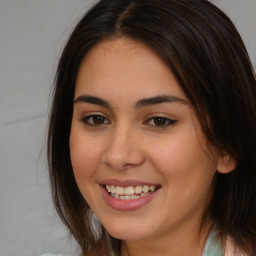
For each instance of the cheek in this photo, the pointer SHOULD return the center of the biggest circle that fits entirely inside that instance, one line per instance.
(188, 173)
(182, 160)
(85, 156)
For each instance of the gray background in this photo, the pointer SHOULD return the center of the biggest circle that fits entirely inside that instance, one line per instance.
(32, 34)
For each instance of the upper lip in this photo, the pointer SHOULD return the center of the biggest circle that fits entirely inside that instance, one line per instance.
(126, 183)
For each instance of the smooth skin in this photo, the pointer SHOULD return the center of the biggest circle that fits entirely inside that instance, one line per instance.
(161, 142)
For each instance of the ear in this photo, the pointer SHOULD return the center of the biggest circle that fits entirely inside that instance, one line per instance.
(226, 163)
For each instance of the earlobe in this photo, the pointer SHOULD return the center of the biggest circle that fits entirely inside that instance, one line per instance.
(226, 163)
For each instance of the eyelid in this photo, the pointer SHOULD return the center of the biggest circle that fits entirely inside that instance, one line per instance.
(171, 121)
(93, 113)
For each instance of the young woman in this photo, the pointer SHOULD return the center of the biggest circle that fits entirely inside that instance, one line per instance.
(152, 136)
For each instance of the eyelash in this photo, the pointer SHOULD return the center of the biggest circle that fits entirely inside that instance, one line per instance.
(167, 122)
(90, 120)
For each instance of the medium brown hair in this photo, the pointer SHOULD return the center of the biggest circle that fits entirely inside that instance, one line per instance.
(206, 54)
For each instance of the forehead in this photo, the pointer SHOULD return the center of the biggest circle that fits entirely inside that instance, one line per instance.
(125, 67)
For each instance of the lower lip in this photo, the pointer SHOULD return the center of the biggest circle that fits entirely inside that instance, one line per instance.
(127, 205)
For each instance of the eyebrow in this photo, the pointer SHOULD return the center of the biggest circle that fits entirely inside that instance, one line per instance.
(160, 99)
(139, 104)
(92, 100)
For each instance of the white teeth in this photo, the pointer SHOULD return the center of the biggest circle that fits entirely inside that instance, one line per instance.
(113, 189)
(108, 187)
(115, 196)
(134, 197)
(125, 197)
(130, 192)
(152, 188)
(119, 190)
(129, 197)
(142, 194)
(138, 189)
(145, 189)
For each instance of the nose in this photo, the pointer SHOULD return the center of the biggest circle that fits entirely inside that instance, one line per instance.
(123, 149)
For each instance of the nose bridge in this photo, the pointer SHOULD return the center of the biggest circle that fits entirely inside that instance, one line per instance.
(123, 149)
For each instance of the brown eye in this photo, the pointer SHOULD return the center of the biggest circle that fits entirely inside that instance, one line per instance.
(160, 122)
(98, 119)
(95, 120)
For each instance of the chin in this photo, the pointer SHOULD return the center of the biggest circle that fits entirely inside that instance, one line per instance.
(131, 236)
(129, 231)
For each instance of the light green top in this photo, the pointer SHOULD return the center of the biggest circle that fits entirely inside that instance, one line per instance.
(213, 246)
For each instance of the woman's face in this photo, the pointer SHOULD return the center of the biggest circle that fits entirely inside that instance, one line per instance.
(138, 153)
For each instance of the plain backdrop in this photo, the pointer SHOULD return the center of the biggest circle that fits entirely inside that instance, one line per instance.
(32, 34)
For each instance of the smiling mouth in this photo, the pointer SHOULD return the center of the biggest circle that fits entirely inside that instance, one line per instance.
(130, 192)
